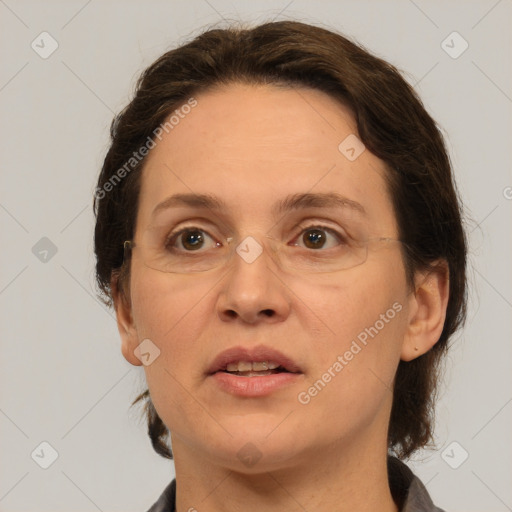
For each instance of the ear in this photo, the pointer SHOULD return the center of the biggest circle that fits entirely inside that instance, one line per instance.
(427, 311)
(125, 324)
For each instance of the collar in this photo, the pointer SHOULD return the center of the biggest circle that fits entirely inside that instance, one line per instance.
(407, 489)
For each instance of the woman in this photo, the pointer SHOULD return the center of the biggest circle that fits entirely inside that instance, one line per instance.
(280, 234)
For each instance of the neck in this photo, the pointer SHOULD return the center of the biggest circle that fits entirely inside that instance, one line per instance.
(341, 478)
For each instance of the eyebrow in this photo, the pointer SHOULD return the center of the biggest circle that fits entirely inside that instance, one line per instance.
(289, 203)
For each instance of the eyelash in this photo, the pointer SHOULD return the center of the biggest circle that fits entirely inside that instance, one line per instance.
(174, 236)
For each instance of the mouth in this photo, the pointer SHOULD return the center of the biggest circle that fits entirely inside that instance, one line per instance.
(253, 373)
(258, 361)
(254, 368)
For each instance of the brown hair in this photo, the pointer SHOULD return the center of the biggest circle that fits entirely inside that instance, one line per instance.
(392, 123)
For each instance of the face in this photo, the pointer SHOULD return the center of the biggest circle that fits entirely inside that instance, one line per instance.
(251, 148)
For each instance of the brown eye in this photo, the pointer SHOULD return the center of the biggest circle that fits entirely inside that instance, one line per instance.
(192, 239)
(314, 238)
(320, 237)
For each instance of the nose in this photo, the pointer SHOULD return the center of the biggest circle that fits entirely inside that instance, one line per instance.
(253, 291)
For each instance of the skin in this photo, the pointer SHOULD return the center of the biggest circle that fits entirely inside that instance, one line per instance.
(251, 146)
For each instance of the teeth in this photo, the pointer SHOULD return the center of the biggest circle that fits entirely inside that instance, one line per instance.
(244, 366)
(247, 366)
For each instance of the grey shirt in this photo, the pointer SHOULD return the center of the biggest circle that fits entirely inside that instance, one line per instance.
(407, 490)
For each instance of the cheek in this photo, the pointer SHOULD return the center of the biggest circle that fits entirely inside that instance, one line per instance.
(167, 304)
(172, 311)
(367, 302)
(364, 321)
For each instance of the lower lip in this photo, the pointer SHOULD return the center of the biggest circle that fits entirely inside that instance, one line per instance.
(254, 386)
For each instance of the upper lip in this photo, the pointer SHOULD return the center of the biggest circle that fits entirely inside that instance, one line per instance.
(254, 354)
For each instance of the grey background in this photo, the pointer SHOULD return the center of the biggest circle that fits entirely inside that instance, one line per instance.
(63, 379)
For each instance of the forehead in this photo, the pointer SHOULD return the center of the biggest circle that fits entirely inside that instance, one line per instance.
(253, 145)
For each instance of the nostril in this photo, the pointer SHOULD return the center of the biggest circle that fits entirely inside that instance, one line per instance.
(232, 314)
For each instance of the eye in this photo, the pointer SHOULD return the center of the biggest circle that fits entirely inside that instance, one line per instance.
(190, 239)
(319, 237)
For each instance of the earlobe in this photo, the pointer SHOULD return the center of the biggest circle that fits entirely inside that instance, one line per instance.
(125, 324)
(427, 309)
